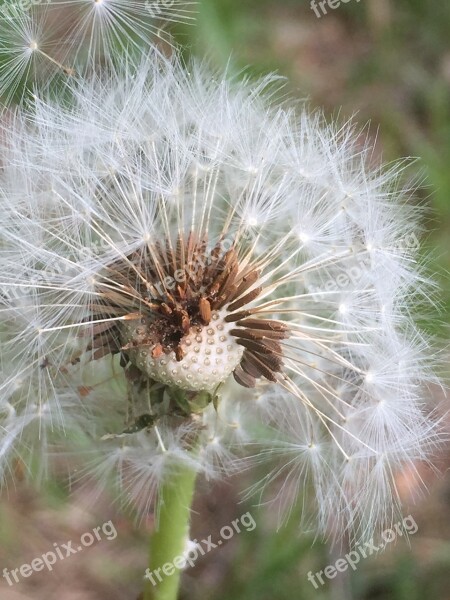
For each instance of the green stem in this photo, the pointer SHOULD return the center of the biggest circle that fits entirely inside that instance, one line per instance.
(168, 542)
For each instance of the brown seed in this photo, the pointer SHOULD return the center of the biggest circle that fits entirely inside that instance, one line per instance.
(272, 362)
(165, 309)
(256, 334)
(250, 367)
(238, 316)
(179, 353)
(261, 346)
(264, 324)
(260, 363)
(245, 284)
(244, 378)
(181, 292)
(205, 310)
(245, 299)
(185, 321)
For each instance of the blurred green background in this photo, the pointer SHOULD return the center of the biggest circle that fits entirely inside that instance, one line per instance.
(386, 62)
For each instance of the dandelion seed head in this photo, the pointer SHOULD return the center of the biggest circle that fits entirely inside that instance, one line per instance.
(192, 274)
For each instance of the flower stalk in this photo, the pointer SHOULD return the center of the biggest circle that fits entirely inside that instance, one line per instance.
(169, 539)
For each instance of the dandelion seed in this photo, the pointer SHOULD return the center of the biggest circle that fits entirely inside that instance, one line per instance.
(44, 43)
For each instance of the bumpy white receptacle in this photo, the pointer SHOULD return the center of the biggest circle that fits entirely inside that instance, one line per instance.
(210, 355)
